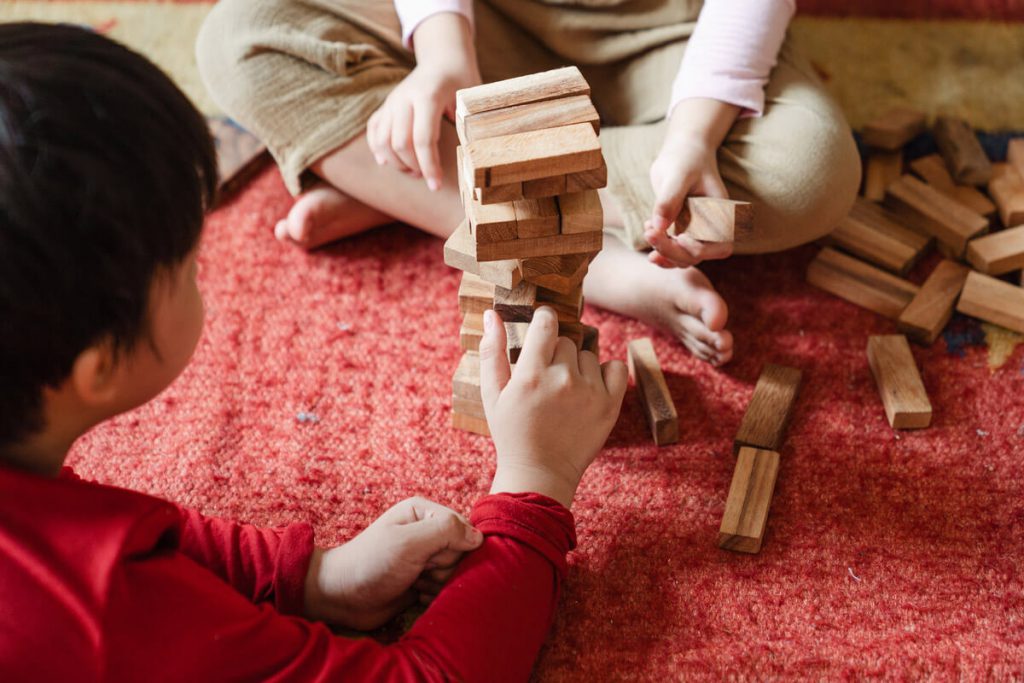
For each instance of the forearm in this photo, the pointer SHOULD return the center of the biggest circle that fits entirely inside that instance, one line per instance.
(446, 39)
(701, 120)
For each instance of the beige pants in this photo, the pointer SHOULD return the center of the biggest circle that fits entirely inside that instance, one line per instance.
(305, 76)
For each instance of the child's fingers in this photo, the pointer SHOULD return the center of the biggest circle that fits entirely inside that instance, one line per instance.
(565, 354)
(378, 135)
(590, 368)
(659, 260)
(494, 366)
(444, 560)
(540, 341)
(401, 138)
(425, 135)
(704, 251)
(670, 249)
(616, 377)
(423, 539)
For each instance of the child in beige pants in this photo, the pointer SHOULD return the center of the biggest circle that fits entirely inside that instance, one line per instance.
(354, 99)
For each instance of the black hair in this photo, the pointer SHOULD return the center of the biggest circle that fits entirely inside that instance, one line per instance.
(106, 172)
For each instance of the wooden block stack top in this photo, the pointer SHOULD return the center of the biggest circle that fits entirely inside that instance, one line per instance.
(530, 165)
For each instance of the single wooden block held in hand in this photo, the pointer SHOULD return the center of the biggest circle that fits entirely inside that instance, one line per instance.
(872, 233)
(899, 383)
(959, 146)
(895, 128)
(1007, 190)
(999, 252)
(929, 312)
(764, 424)
(992, 300)
(460, 253)
(652, 391)
(927, 210)
(750, 496)
(860, 283)
(881, 168)
(717, 220)
(521, 118)
(581, 212)
(532, 155)
(560, 273)
(538, 87)
(536, 217)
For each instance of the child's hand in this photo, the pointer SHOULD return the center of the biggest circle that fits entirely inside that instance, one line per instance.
(411, 550)
(549, 418)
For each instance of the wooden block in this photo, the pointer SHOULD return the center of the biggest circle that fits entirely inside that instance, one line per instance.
(532, 155)
(460, 253)
(999, 252)
(560, 273)
(881, 168)
(556, 245)
(544, 187)
(716, 220)
(468, 408)
(1015, 155)
(764, 424)
(536, 217)
(592, 340)
(568, 306)
(899, 384)
(547, 85)
(475, 294)
(932, 170)
(1007, 190)
(750, 496)
(521, 118)
(927, 210)
(468, 423)
(929, 312)
(652, 391)
(469, 339)
(491, 222)
(498, 193)
(962, 152)
(466, 380)
(872, 233)
(518, 304)
(993, 301)
(474, 321)
(581, 212)
(515, 335)
(895, 128)
(573, 331)
(593, 179)
(860, 283)
(974, 200)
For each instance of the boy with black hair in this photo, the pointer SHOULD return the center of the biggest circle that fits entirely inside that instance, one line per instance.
(106, 171)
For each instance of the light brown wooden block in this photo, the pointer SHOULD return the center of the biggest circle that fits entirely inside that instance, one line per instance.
(498, 193)
(750, 497)
(895, 128)
(466, 380)
(932, 170)
(516, 305)
(993, 301)
(467, 408)
(568, 306)
(565, 111)
(1015, 155)
(899, 383)
(469, 423)
(532, 155)
(544, 187)
(556, 245)
(764, 424)
(475, 294)
(491, 222)
(881, 168)
(860, 283)
(999, 252)
(962, 152)
(927, 210)
(581, 212)
(538, 87)
(716, 220)
(593, 179)
(469, 339)
(872, 233)
(1007, 190)
(592, 340)
(652, 390)
(460, 253)
(560, 273)
(515, 335)
(929, 312)
(536, 217)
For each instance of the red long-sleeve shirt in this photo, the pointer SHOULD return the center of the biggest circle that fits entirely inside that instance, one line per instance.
(99, 583)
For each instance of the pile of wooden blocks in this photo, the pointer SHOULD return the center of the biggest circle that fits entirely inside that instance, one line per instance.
(530, 165)
(901, 216)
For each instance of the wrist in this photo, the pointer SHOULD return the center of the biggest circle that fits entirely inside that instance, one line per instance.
(521, 477)
(445, 41)
(701, 121)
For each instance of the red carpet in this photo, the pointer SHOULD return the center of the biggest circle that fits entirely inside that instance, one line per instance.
(886, 554)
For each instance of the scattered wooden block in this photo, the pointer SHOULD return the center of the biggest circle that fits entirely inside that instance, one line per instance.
(592, 340)
(568, 306)
(532, 155)
(516, 305)
(593, 179)
(962, 152)
(581, 212)
(536, 217)
(764, 424)
(881, 168)
(929, 312)
(515, 335)
(1007, 190)
(895, 128)
(860, 283)
(560, 273)
(993, 301)
(999, 252)
(460, 253)
(475, 294)
(556, 245)
(750, 496)
(468, 423)
(899, 384)
(521, 118)
(652, 390)
(1015, 155)
(466, 380)
(927, 210)
(547, 85)
(932, 170)
(717, 220)
(491, 222)
(872, 233)
(544, 187)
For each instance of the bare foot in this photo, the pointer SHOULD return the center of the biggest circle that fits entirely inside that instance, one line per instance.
(324, 214)
(680, 301)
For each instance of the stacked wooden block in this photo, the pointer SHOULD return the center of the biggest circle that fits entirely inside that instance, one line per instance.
(899, 218)
(530, 165)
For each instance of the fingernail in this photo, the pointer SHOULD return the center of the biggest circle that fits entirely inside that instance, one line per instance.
(488, 320)
(473, 535)
(433, 185)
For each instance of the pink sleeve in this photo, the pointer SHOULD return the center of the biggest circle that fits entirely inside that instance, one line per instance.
(732, 51)
(412, 13)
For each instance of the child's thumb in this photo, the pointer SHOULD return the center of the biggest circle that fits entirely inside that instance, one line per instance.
(494, 368)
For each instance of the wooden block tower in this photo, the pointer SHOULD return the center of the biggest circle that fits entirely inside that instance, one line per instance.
(530, 165)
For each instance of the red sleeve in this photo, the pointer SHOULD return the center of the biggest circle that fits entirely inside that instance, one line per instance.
(171, 619)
